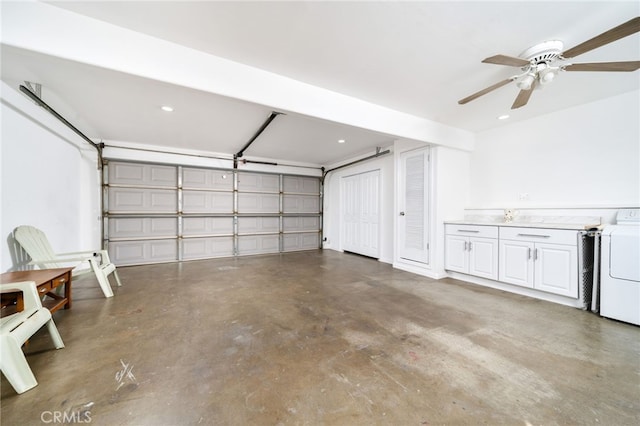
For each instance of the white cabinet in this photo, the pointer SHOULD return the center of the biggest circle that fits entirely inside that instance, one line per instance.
(472, 249)
(542, 259)
(516, 266)
(556, 269)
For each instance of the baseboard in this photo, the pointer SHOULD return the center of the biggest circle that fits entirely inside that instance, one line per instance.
(419, 271)
(523, 291)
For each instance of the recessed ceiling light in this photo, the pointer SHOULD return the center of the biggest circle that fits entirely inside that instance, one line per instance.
(341, 141)
(166, 108)
(503, 117)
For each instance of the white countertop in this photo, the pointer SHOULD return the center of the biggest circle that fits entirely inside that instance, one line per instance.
(522, 224)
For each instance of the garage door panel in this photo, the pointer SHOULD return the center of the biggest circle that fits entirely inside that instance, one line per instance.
(257, 182)
(258, 203)
(301, 185)
(141, 227)
(207, 179)
(207, 202)
(207, 226)
(301, 223)
(301, 204)
(204, 248)
(252, 225)
(303, 241)
(258, 244)
(141, 200)
(139, 252)
(142, 174)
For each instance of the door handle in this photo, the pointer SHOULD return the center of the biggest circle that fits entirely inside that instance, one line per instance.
(401, 213)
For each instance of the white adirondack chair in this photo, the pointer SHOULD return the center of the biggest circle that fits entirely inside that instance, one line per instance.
(37, 246)
(17, 328)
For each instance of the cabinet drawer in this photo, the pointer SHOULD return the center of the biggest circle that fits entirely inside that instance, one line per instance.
(543, 235)
(486, 231)
(44, 288)
(60, 281)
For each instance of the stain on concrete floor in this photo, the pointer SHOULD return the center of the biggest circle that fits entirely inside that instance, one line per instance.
(321, 337)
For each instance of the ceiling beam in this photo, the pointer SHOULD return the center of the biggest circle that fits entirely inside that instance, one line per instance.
(54, 31)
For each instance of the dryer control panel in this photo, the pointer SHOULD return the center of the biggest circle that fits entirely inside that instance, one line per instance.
(628, 217)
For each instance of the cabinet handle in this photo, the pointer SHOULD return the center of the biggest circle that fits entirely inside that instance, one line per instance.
(468, 230)
(535, 254)
(469, 245)
(529, 253)
(465, 246)
(534, 235)
(401, 213)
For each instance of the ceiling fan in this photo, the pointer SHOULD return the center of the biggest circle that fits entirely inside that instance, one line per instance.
(540, 63)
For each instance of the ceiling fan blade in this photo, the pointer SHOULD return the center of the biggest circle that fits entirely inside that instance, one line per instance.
(623, 30)
(485, 91)
(523, 97)
(604, 66)
(506, 60)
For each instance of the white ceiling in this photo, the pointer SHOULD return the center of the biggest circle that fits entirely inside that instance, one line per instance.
(416, 57)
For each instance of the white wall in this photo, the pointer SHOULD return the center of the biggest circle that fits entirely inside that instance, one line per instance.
(451, 186)
(49, 178)
(587, 156)
(332, 200)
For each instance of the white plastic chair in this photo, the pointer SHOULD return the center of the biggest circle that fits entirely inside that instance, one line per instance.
(37, 246)
(17, 328)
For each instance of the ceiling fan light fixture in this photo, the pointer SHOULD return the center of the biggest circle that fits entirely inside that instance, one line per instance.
(526, 82)
(542, 62)
(547, 74)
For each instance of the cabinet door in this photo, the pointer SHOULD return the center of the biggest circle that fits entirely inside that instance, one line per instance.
(516, 262)
(456, 255)
(483, 257)
(556, 269)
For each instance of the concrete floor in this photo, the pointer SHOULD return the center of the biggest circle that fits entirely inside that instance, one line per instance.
(324, 338)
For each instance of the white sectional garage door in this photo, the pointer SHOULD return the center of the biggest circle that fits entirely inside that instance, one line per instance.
(158, 213)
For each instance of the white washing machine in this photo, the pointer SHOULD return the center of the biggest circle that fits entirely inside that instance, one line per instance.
(620, 263)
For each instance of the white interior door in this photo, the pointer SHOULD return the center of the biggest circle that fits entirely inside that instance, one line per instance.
(361, 213)
(413, 224)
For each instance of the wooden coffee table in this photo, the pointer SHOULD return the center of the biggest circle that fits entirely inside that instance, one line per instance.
(47, 280)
